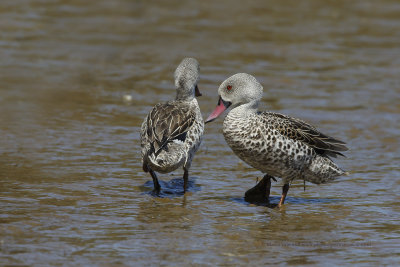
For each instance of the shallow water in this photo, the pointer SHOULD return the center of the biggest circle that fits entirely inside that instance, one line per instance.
(72, 190)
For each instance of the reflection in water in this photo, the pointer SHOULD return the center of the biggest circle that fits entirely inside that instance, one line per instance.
(172, 188)
(72, 189)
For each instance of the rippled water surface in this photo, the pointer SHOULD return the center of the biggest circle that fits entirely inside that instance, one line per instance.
(72, 190)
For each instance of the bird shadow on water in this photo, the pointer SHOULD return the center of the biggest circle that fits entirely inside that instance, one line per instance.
(274, 200)
(170, 189)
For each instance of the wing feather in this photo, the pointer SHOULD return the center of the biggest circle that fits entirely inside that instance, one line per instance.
(168, 121)
(302, 131)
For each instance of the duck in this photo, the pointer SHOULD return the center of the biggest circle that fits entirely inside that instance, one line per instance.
(275, 144)
(172, 132)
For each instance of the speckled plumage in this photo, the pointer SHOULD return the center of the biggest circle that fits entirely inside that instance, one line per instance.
(273, 143)
(282, 146)
(172, 132)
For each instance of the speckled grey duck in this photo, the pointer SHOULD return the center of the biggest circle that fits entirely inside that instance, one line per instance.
(275, 144)
(172, 132)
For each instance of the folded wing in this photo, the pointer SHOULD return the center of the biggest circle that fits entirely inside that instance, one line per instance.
(168, 122)
(301, 131)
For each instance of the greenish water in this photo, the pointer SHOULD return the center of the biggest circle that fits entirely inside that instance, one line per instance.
(72, 191)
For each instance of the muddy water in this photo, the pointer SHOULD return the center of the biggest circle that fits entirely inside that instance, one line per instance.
(71, 187)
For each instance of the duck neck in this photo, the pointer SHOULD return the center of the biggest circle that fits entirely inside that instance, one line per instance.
(184, 95)
(244, 109)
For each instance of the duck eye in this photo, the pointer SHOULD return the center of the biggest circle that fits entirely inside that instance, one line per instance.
(229, 87)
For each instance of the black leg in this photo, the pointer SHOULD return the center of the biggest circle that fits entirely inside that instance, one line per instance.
(185, 180)
(285, 190)
(157, 186)
(145, 168)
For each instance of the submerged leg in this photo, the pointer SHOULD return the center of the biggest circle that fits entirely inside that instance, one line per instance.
(157, 186)
(185, 180)
(285, 190)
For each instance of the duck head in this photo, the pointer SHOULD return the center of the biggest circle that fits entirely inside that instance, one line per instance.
(186, 79)
(239, 89)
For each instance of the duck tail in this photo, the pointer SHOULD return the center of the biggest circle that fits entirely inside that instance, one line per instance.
(323, 170)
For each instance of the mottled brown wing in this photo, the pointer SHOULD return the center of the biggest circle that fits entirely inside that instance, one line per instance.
(299, 130)
(168, 121)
